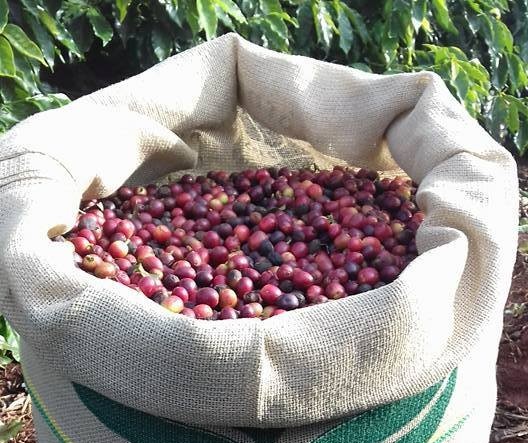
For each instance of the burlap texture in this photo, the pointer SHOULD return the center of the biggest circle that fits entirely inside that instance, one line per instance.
(310, 365)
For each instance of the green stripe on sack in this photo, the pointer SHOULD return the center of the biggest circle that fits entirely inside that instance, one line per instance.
(139, 427)
(450, 432)
(370, 427)
(46, 416)
(378, 424)
(425, 430)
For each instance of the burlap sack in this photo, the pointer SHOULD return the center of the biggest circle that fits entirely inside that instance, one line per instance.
(412, 361)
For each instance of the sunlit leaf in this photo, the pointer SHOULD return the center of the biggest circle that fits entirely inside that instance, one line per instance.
(232, 9)
(224, 18)
(207, 17)
(49, 101)
(269, 6)
(275, 32)
(7, 59)
(22, 43)
(191, 15)
(285, 18)
(43, 38)
(26, 74)
(503, 37)
(345, 29)
(58, 31)
(4, 12)
(418, 13)
(441, 13)
(513, 118)
(122, 7)
(100, 25)
(322, 23)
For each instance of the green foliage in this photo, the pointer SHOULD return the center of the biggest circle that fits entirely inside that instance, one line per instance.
(9, 339)
(10, 431)
(21, 91)
(479, 47)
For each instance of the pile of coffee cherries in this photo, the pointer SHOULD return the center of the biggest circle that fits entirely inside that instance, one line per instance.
(252, 244)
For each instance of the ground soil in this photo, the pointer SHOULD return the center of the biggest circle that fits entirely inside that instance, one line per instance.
(511, 420)
(15, 404)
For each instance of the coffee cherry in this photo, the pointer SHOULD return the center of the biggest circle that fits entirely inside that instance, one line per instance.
(335, 290)
(287, 302)
(161, 234)
(203, 311)
(270, 294)
(228, 313)
(118, 249)
(389, 273)
(188, 312)
(90, 262)
(151, 263)
(368, 276)
(227, 298)
(207, 296)
(256, 239)
(252, 244)
(82, 246)
(173, 304)
(189, 285)
(268, 223)
(148, 286)
(182, 293)
(105, 270)
(268, 312)
(302, 279)
(243, 286)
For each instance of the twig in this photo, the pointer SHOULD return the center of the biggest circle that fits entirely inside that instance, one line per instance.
(26, 403)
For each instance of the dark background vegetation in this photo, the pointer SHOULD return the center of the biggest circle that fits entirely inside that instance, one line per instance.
(52, 50)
